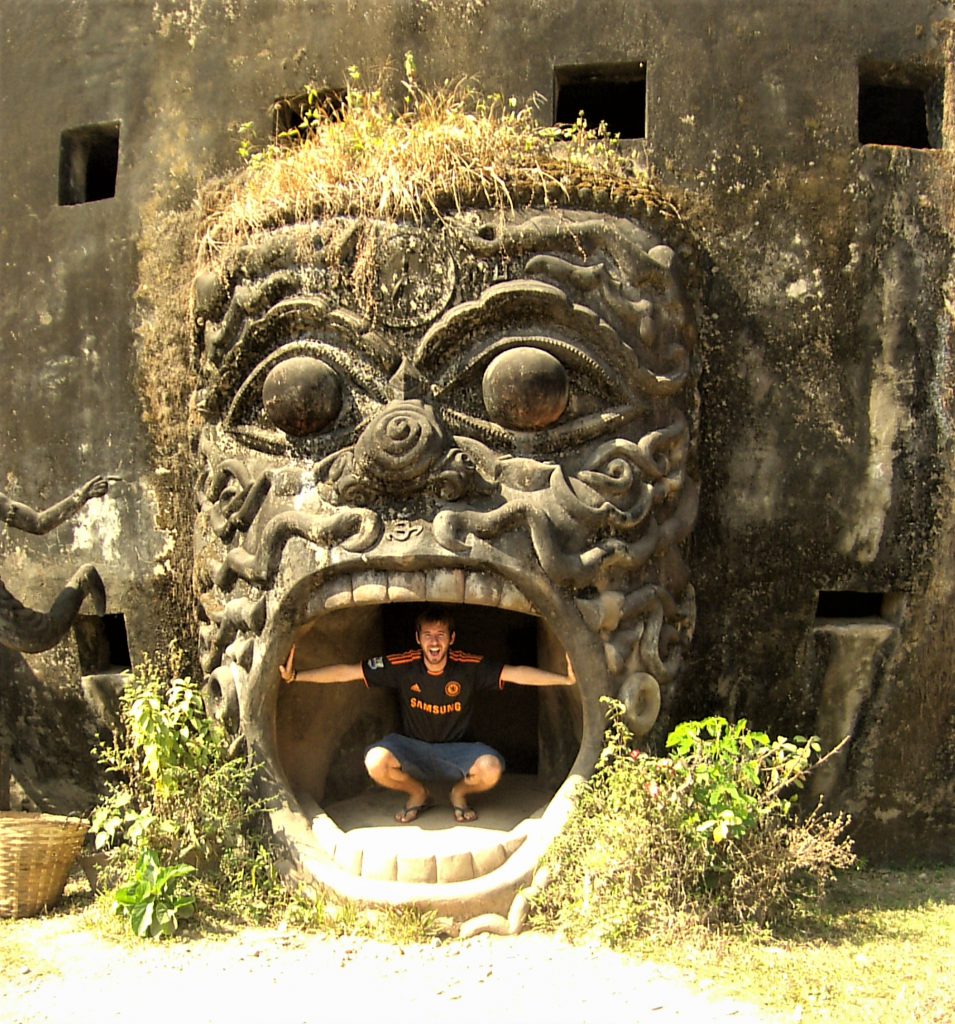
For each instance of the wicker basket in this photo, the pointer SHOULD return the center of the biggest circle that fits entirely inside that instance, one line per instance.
(37, 852)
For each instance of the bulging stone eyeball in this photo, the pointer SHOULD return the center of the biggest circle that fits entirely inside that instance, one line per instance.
(525, 388)
(302, 395)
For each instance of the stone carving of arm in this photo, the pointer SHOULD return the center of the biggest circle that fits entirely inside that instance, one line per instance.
(23, 517)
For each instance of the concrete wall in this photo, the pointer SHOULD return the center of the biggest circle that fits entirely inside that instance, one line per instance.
(826, 452)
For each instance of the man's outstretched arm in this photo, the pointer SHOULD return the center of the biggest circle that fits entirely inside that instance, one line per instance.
(325, 674)
(527, 675)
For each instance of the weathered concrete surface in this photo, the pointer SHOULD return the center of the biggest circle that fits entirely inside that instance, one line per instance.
(826, 431)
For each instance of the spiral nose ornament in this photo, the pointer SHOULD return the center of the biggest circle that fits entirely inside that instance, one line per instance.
(402, 445)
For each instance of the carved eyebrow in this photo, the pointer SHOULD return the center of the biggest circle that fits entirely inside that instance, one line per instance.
(523, 300)
(593, 340)
(524, 308)
(298, 316)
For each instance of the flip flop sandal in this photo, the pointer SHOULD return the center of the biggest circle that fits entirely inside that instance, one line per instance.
(462, 815)
(409, 814)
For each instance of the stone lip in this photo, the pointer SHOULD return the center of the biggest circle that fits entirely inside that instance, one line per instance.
(493, 892)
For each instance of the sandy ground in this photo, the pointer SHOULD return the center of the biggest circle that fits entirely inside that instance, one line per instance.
(54, 970)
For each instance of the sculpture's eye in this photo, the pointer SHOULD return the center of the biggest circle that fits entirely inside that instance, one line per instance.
(538, 390)
(525, 388)
(526, 368)
(302, 395)
(309, 394)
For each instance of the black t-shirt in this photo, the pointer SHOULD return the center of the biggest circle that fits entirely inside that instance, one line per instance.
(434, 708)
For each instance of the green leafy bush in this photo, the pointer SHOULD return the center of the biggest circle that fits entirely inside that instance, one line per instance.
(707, 836)
(184, 831)
(735, 778)
(179, 803)
(150, 901)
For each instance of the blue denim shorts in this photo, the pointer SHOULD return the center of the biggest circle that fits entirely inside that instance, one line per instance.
(446, 762)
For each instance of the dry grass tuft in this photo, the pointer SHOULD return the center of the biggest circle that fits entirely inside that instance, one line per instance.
(165, 382)
(449, 147)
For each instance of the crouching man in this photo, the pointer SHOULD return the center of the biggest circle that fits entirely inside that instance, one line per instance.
(436, 687)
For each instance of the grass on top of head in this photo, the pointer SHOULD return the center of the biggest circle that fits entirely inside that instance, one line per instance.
(438, 150)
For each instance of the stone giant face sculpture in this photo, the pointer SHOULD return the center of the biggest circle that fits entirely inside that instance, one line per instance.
(497, 412)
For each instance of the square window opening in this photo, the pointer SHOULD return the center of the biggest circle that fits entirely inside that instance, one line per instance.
(854, 605)
(89, 161)
(900, 107)
(615, 95)
(102, 644)
(293, 115)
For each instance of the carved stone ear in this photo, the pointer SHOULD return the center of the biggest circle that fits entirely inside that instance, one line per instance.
(640, 694)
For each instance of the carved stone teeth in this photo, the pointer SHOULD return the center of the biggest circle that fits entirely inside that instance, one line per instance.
(355, 858)
(446, 585)
(454, 586)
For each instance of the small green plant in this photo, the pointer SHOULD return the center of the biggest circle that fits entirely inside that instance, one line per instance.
(736, 777)
(708, 836)
(179, 802)
(173, 787)
(150, 901)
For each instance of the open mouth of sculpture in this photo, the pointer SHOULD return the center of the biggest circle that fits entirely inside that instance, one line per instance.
(340, 826)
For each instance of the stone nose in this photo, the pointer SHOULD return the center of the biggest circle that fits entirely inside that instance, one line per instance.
(401, 446)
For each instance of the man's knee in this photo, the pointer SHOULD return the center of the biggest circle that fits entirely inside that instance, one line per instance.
(487, 769)
(379, 761)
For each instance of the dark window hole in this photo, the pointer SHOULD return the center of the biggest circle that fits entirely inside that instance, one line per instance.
(290, 113)
(102, 644)
(849, 604)
(89, 160)
(614, 95)
(899, 108)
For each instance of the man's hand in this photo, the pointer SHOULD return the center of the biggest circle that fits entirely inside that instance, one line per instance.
(287, 671)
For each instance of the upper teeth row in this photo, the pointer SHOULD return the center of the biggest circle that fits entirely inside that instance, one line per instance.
(450, 586)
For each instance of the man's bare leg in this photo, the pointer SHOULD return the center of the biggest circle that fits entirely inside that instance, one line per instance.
(484, 774)
(384, 768)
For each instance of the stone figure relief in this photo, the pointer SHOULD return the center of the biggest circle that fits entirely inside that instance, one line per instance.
(24, 629)
(30, 631)
(505, 417)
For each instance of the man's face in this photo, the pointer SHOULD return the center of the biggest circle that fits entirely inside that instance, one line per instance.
(435, 640)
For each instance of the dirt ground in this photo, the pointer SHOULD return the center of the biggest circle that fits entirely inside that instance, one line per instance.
(55, 970)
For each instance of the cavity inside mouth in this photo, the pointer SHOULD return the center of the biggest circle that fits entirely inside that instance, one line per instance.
(323, 731)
